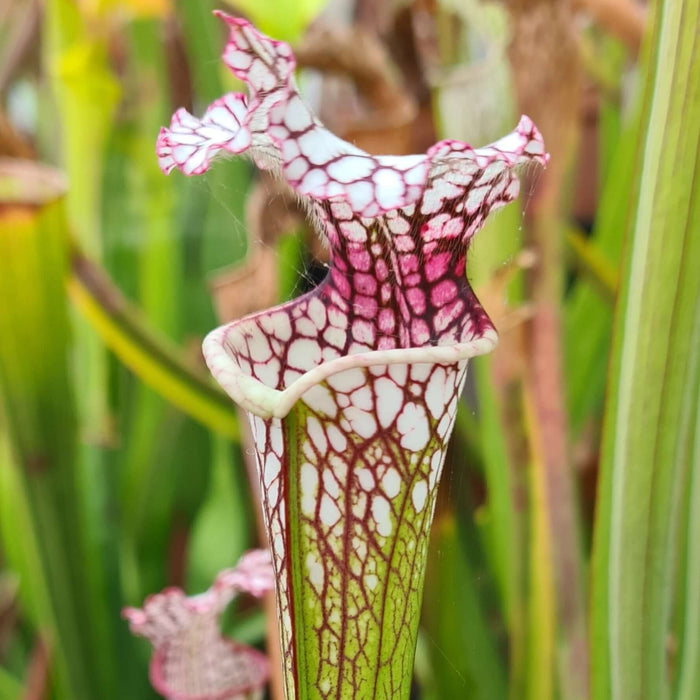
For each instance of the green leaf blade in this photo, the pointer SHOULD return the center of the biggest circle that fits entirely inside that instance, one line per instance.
(654, 383)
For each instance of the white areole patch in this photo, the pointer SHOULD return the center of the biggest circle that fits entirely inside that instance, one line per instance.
(304, 354)
(273, 492)
(290, 150)
(476, 197)
(390, 187)
(371, 581)
(399, 373)
(306, 327)
(330, 483)
(418, 495)
(349, 168)
(435, 467)
(432, 201)
(391, 483)
(444, 425)
(366, 478)
(317, 312)
(296, 116)
(276, 439)
(337, 318)
(313, 181)
(269, 372)
(330, 353)
(334, 336)
(398, 225)
(360, 194)
(363, 333)
(259, 430)
(354, 231)
(309, 487)
(339, 467)
(291, 375)
(338, 441)
(421, 371)
(347, 381)
(260, 350)
(309, 452)
(389, 401)
(315, 571)
(297, 168)
(362, 422)
(490, 172)
(435, 392)
(381, 512)
(413, 426)
(329, 512)
(319, 399)
(362, 398)
(277, 324)
(314, 430)
(272, 468)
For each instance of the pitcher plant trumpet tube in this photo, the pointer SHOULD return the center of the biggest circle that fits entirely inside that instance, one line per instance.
(351, 389)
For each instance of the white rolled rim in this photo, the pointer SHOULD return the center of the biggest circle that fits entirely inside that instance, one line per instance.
(266, 402)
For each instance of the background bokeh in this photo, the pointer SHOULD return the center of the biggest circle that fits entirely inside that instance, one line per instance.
(566, 545)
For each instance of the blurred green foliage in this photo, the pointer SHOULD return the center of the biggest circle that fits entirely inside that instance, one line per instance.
(121, 465)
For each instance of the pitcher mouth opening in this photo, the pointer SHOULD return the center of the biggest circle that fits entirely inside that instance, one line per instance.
(265, 389)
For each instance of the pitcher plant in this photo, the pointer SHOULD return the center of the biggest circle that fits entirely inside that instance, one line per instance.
(351, 389)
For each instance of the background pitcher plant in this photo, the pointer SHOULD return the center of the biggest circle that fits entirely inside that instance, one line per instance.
(191, 659)
(351, 389)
